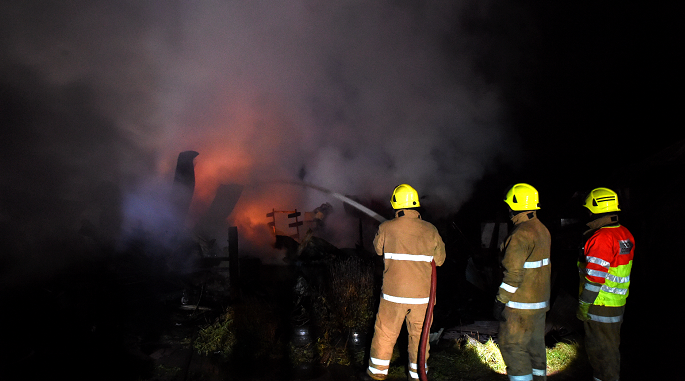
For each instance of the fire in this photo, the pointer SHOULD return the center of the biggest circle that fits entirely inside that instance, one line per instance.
(244, 140)
(247, 141)
(256, 200)
(252, 224)
(211, 169)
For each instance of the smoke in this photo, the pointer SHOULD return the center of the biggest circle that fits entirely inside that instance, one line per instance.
(353, 96)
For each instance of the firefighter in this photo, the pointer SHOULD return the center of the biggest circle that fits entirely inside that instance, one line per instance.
(408, 245)
(523, 297)
(604, 279)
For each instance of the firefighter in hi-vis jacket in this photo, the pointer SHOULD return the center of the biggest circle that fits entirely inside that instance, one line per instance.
(604, 279)
(408, 245)
(523, 297)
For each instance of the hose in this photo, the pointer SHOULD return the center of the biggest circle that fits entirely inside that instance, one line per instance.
(340, 197)
(425, 332)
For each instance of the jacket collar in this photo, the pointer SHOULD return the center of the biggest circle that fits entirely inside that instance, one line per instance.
(602, 221)
(407, 213)
(523, 217)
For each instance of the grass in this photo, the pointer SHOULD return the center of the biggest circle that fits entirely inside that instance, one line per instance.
(249, 330)
(218, 337)
(562, 356)
(467, 359)
(344, 305)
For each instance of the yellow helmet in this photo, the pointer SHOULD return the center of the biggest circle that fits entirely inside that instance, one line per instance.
(522, 197)
(404, 196)
(602, 200)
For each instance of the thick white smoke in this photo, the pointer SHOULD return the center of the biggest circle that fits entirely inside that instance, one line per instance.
(350, 95)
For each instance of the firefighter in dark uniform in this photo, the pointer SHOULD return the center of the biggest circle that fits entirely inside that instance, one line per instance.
(604, 266)
(523, 297)
(408, 245)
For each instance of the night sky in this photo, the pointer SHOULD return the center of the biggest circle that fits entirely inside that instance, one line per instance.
(459, 99)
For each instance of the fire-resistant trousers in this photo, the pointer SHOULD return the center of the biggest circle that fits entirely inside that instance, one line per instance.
(522, 344)
(388, 325)
(602, 340)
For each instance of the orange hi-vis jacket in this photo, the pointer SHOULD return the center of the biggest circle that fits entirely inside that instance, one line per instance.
(408, 245)
(608, 259)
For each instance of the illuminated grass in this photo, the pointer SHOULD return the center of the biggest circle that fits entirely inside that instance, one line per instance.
(467, 359)
(562, 356)
(470, 360)
(489, 355)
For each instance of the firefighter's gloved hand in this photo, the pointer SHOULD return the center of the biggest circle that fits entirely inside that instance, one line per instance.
(581, 312)
(498, 309)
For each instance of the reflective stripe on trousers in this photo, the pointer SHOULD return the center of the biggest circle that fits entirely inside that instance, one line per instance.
(376, 361)
(605, 319)
(401, 300)
(414, 370)
(529, 377)
(379, 362)
(527, 306)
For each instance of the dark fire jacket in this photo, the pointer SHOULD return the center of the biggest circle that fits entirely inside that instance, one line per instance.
(527, 267)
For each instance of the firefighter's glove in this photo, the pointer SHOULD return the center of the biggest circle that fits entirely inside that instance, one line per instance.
(498, 310)
(581, 312)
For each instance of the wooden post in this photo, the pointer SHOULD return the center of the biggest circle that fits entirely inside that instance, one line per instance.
(233, 260)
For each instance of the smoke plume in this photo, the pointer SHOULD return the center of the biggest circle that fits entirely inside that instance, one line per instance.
(352, 96)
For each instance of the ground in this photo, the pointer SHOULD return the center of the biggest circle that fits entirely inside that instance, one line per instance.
(98, 323)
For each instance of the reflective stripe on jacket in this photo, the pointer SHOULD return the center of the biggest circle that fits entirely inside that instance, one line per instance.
(608, 261)
(527, 265)
(408, 245)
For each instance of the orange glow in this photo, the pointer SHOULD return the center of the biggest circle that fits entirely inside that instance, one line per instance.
(252, 222)
(244, 142)
(216, 168)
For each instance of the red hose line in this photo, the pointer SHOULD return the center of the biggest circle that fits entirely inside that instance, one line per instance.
(425, 332)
